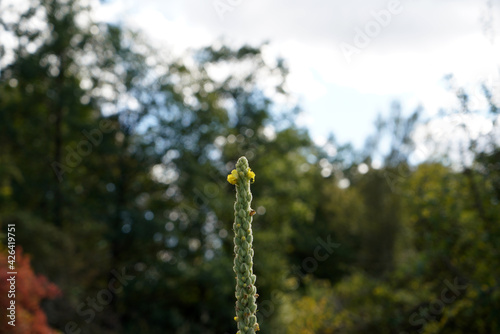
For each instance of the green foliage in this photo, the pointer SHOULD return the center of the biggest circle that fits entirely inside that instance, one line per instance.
(114, 155)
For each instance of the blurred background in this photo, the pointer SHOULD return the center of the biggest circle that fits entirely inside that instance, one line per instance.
(372, 127)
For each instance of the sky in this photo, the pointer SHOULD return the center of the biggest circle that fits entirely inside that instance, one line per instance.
(348, 60)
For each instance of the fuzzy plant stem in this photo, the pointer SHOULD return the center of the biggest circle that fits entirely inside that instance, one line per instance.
(246, 292)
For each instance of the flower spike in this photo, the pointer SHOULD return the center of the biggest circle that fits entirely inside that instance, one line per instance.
(246, 292)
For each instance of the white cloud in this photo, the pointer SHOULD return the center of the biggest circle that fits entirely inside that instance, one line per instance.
(408, 59)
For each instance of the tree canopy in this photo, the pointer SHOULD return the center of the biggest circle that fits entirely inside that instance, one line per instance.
(113, 168)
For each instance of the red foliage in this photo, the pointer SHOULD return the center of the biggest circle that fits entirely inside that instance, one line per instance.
(30, 290)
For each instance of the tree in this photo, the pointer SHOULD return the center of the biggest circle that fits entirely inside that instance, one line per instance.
(29, 292)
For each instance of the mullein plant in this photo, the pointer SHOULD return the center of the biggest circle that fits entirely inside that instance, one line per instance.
(246, 292)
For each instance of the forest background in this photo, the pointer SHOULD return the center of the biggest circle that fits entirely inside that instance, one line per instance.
(113, 160)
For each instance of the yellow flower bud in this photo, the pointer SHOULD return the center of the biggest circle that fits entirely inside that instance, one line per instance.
(251, 175)
(233, 177)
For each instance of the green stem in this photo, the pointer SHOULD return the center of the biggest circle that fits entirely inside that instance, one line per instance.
(246, 292)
